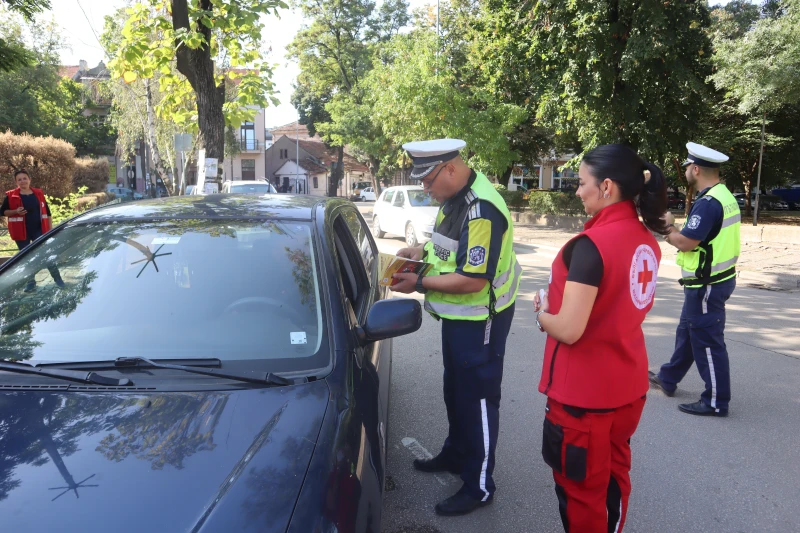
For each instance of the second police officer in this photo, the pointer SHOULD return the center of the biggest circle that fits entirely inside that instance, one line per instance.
(472, 289)
(708, 248)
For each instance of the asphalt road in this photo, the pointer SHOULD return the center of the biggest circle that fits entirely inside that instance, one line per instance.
(690, 474)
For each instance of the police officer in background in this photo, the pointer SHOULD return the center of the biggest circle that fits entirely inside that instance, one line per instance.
(472, 288)
(708, 250)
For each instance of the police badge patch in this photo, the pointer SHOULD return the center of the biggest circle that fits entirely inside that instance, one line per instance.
(694, 222)
(477, 255)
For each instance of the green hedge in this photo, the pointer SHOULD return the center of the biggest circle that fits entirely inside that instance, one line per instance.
(513, 199)
(555, 203)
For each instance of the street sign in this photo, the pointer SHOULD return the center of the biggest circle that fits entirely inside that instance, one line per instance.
(211, 167)
(183, 142)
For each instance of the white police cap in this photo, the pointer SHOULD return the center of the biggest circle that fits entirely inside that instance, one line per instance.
(703, 156)
(425, 155)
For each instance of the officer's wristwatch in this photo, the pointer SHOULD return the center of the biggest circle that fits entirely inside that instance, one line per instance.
(419, 287)
(538, 324)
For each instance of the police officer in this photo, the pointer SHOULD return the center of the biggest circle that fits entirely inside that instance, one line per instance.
(472, 289)
(709, 248)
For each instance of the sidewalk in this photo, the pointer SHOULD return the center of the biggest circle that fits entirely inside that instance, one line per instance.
(765, 265)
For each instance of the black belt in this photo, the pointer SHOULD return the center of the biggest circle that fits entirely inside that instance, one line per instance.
(710, 279)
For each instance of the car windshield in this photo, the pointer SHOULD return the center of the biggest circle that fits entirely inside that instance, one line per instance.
(252, 188)
(419, 198)
(234, 290)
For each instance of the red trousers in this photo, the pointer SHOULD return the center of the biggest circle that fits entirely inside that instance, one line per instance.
(590, 454)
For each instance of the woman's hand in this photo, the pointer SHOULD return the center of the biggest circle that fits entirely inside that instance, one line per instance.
(541, 301)
(21, 210)
(415, 254)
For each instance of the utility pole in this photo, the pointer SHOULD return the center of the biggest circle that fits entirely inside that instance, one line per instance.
(758, 180)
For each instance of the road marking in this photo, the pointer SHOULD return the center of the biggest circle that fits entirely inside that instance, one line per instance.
(419, 452)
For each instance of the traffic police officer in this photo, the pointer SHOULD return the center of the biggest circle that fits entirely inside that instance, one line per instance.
(709, 248)
(472, 288)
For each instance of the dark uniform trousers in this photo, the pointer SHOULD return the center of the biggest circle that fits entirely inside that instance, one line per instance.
(590, 454)
(700, 340)
(473, 372)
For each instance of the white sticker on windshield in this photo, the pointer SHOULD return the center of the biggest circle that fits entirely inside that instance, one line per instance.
(166, 240)
(298, 337)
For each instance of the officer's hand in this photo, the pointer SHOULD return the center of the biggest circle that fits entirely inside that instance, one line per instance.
(407, 282)
(415, 254)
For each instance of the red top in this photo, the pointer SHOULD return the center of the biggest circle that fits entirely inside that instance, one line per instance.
(16, 223)
(607, 367)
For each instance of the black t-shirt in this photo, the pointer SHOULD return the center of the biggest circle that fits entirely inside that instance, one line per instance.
(584, 262)
(33, 217)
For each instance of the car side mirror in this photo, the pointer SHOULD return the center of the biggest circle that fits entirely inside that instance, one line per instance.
(392, 318)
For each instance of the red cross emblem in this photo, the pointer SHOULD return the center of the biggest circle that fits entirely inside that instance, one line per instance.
(645, 277)
(644, 271)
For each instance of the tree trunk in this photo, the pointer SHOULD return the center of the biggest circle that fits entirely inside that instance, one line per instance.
(374, 165)
(158, 161)
(689, 189)
(337, 173)
(198, 67)
(506, 176)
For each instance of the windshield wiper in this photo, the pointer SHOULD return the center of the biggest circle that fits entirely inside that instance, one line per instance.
(249, 376)
(70, 375)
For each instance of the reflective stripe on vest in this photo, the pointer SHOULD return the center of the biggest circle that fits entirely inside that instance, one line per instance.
(724, 248)
(442, 309)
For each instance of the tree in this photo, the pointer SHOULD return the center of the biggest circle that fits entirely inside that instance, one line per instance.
(609, 71)
(413, 97)
(760, 70)
(203, 39)
(334, 53)
(13, 53)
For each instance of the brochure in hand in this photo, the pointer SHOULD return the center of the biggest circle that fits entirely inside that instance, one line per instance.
(391, 264)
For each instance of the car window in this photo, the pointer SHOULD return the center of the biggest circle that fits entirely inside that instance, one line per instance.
(421, 199)
(242, 291)
(399, 199)
(360, 233)
(388, 196)
(251, 188)
(354, 276)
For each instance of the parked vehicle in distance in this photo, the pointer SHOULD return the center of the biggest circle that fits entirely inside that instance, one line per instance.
(406, 211)
(368, 195)
(676, 200)
(251, 187)
(217, 363)
(790, 195)
(124, 193)
(769, 202)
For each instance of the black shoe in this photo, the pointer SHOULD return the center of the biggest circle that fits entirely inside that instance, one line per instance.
(460, 503)
(700, 408)
(436, 464)
(655, 380)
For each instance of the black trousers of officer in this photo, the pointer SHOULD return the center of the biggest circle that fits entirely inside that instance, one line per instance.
(700, 339)
(473, 373)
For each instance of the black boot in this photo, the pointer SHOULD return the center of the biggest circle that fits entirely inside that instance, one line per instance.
(700, 408)
(440, 463)
(460, 503)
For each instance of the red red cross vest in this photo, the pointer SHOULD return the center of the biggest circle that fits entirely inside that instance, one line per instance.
(16, 224)
(607, 367)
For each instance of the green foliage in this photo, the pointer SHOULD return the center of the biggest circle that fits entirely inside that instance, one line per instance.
(13, 52)
(762, 68)
(555, 203)
(62, 209)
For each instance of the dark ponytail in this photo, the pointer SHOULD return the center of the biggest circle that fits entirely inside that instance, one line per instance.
(623, 166)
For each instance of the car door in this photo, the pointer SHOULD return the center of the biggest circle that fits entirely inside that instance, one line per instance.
(398, 216)
(358, 258)
(382, 208)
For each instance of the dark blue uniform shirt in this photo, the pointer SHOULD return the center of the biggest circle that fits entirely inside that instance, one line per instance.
(705, 218)
(481, 240)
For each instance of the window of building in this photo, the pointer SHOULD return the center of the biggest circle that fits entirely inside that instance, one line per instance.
(284, 153)
(247, 136)
(316, 182)
(565, 178)
(248, 169)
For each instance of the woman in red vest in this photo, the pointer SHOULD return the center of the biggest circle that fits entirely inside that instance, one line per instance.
(602, 285)
(28, 217)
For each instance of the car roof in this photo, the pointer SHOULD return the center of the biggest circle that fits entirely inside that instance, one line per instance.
(234, 206)
(405, 188)
(248, 182)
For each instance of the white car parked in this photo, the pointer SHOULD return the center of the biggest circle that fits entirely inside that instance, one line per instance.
(407, 211)
(367, 195)
(249, 187)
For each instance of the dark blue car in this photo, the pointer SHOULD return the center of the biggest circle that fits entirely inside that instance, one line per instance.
(209, 363)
